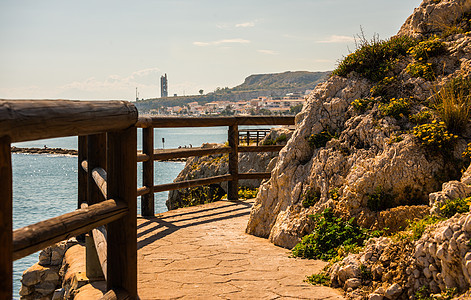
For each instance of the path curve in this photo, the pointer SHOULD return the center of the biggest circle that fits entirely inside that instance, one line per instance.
(203, 252)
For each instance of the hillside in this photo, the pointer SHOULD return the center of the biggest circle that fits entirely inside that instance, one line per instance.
(376, 177)
(259, 85)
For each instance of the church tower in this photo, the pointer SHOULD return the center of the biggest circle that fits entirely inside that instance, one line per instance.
(163, 86)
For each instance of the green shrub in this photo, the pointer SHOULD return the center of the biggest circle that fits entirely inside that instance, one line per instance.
(268, 142)
(328, 235)
(455, 206)
(282, 138)
(434, 135)
(320, 139)
(375, 58)
(419, 69)
(365, 273)
(397, 108)
(319, 279)
(426, 49)
(424, 293)
(380, 89)
(417, 227)
(362, 104)
(247, 193)
(310, 198)
(453, 103)
(422, 117)
(200, 195)
(379, 200)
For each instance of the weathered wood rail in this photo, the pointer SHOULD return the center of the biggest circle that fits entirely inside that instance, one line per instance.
(107, 180)
(149, 154)
(115, 205)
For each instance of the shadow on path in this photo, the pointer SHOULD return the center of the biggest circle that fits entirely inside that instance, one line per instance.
(205, 216)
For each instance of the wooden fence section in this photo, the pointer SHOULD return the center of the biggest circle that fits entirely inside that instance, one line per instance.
(148, 154)
(108, 144)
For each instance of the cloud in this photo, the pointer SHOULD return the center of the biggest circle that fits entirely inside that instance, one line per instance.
(246, 24)
(270, 52)
(338, 39)
(110, 87)
(221, 42)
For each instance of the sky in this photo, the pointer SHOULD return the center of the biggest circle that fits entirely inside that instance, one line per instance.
(104, 50)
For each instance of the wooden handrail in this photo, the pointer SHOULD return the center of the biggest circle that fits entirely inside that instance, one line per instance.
(168, 122)
(32, 238)
(191, 183)
(26, 120)
(160, 154)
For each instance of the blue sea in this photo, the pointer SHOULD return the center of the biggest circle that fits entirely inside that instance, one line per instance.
(45, 186)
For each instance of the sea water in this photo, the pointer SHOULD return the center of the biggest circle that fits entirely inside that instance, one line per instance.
(45, 186)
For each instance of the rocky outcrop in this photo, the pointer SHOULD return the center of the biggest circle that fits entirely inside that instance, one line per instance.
(398, 267)
(43, 278)
(45, 150)
(433, 17)
(371, 156)
(214, 165)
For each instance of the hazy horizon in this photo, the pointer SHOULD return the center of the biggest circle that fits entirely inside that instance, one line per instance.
(105, 49)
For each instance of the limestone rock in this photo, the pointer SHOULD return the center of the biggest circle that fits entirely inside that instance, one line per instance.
(434, 16)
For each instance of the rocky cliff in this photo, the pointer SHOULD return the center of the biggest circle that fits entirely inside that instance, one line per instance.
(390, 126)
(372, 148)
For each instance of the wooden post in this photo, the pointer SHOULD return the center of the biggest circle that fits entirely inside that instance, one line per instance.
(82, 181)
(122, 233)
(96, 157)
(258, 136)
(6, 220)
(233, 185)
(147, 200)
(96, 145)
(248, 138)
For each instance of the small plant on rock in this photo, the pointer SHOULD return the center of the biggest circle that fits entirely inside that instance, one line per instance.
(417, 227)
(423, 70)
(422, 117)
(334, 194)
(328, 235)
(453, 103)
(434, 135)
(397, 108)
(374, 58)
(310, 198)
(379, 200)
(380, 89)
(426, 49)
(320, 139)
(362, 104)
(455, 206)
(247, 193)
(321, 278)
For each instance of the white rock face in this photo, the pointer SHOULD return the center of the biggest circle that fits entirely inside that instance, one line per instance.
(363, 160)
(433, 16)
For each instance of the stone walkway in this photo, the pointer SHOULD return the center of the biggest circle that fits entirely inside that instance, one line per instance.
(203, 253)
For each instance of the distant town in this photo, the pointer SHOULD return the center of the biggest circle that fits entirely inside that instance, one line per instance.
(290, 104)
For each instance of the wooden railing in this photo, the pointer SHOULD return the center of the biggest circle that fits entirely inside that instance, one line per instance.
(107, 180)
(108, 128)
(149, 154)
(249, 136)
